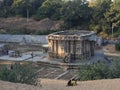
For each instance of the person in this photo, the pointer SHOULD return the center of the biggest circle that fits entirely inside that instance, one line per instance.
(66, 58)
(7, 52)
(69, 83)
(32, 54)
(74, 82)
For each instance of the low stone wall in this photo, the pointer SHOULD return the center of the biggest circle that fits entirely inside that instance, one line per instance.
(26, 39)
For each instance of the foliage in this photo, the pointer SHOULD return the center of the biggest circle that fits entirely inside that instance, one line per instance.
(113, 14)
(49, 9)
(18, 73)
(93, 72)
(117, 46)
(75, 13)
(22, 7)
(98, 15)
(5, 8)
(99, 71)
(98, 20)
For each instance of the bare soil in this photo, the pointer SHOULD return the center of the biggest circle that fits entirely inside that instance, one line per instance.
(110, 48)
(19, 23)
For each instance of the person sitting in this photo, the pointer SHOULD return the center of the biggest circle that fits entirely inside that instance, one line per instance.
(72, 82)
(69, 83)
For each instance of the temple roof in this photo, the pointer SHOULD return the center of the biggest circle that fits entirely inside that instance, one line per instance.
(74, 32)
(72, 35)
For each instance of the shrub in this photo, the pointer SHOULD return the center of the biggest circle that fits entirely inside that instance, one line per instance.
(99, 71)
(18, 73)
(117, 46)
(94, 71)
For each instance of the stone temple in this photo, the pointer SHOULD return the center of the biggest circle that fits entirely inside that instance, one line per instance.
(79, 44)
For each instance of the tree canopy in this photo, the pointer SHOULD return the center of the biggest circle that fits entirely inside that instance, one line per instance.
(97, 15)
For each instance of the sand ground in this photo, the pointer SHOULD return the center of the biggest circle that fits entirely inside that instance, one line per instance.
(48, 84)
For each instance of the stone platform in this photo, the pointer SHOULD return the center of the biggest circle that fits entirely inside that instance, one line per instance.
(40, 57)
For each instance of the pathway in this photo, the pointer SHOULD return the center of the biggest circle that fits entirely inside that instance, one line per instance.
(99, 57)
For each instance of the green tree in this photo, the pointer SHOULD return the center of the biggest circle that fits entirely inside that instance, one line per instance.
(21, 7)
(113, 15)
(49, 9)
(5, 8)
(98, 19)
(75, 13)
(35, 5)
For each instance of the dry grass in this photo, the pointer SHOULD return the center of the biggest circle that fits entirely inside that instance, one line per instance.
(18, 23)
(47, 84)
(110, 48)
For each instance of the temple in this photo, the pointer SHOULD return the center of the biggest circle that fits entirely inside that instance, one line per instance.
(78, 44)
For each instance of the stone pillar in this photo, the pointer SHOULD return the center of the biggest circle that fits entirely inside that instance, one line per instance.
(89, 52)
(87, 49)
(49, 43)
(57, 48)
(83, 48)
(78, 49)
(52, 45)
(65, 46)
(54, 48)
(60, 48)
(92, 52)
(92, 48)
(74, 49)
(69, 46)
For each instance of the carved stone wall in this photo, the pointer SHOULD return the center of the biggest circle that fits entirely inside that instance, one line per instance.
(80, 46)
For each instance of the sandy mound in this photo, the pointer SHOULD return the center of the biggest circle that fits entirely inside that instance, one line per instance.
(47, 84)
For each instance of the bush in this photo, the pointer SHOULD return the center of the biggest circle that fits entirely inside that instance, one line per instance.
(99, 71)
(117, 46)
(18, 73)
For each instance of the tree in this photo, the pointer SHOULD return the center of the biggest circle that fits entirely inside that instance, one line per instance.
(5, 8)
(98, 19)
(21, 7)
(113, 14)
(75, 13)
(49, 9)
(35, 5)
